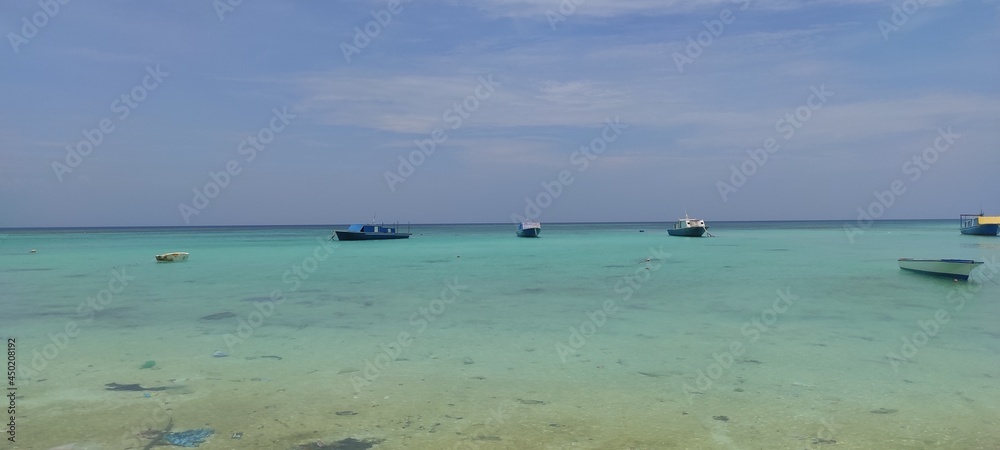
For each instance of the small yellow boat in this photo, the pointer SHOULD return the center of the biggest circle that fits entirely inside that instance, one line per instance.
(172, 257)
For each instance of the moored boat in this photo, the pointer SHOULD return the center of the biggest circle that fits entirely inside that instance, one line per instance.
(172, 257)
(688, 227)
(979, 224)
(952, 268)
(370, 232)
(529, 229)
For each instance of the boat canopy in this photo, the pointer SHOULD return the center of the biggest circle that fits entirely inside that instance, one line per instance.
(989, 220)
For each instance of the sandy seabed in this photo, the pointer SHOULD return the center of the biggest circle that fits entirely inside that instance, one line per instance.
(481, 392)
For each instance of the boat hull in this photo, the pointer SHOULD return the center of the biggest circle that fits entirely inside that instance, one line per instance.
(951, 268)
(529, 232)
(687, 232)
(982, 230)
(172, 257)
(368, 236)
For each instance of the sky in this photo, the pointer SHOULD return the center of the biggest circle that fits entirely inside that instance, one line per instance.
(202, 113)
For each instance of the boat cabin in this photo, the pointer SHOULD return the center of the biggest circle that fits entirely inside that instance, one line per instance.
(371, 228)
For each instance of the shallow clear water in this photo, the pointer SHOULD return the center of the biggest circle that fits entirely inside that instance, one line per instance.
(767, 335)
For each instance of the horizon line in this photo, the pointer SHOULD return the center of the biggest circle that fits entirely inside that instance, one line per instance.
(83, 227)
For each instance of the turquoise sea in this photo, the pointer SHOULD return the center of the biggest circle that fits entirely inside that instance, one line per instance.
(769, 335)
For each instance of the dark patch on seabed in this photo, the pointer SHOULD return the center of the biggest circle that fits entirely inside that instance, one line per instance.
(47, 313)
(120, 312)
(486, 438)
(343, 444)
(219, 316)
(437, 260)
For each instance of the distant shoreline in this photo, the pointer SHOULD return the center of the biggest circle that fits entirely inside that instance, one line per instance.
(326, 226)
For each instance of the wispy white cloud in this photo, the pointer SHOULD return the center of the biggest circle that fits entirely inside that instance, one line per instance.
(414, 104)
(539, 9)
(843, 121)
(418, 104)
(519, 152)
(556, 90)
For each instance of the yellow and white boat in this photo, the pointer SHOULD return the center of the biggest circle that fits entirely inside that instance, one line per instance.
(172, 257)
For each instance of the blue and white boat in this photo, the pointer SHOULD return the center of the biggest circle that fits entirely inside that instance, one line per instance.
(958, 269)
(529, 229)
(370, 232)
(979, 224)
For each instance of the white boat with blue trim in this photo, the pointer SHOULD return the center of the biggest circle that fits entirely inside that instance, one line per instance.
(958, 269)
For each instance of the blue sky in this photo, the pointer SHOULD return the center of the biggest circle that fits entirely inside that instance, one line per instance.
(511, 90)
